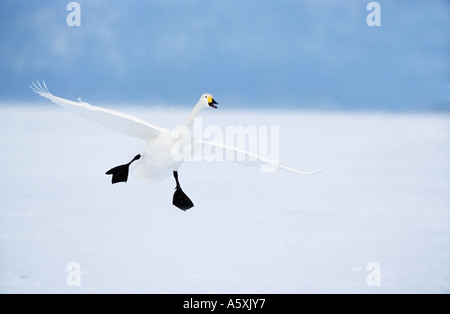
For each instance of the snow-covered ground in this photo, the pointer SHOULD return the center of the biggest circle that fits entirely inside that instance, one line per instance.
(384, 198)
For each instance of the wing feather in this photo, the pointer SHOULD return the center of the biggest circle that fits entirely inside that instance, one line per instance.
(115, 120)
(270, 164)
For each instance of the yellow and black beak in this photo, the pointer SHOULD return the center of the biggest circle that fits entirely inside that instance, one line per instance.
(212, 102)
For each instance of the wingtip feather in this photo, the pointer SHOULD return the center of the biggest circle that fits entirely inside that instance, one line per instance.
(40, 89)
(302, 172)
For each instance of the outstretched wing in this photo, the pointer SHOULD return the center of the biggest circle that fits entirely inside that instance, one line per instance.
(266, 164)
(118, 121)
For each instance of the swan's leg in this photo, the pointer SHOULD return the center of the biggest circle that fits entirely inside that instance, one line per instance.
(120, 173)
(180, 200)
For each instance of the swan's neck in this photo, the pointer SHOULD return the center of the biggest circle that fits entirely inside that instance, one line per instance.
(193, 114)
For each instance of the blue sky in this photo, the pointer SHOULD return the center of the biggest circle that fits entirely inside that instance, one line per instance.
(302, 54)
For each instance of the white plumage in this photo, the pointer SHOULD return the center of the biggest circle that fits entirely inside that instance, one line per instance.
(156, 160)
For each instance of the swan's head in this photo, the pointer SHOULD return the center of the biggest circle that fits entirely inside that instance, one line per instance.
(207, 100)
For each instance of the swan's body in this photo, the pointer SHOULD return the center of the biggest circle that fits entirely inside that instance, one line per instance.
(156, 160)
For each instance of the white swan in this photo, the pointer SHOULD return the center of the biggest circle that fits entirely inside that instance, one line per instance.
(156, 158)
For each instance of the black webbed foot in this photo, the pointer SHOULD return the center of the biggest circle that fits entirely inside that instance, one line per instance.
(180, 199)
(120, 173)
